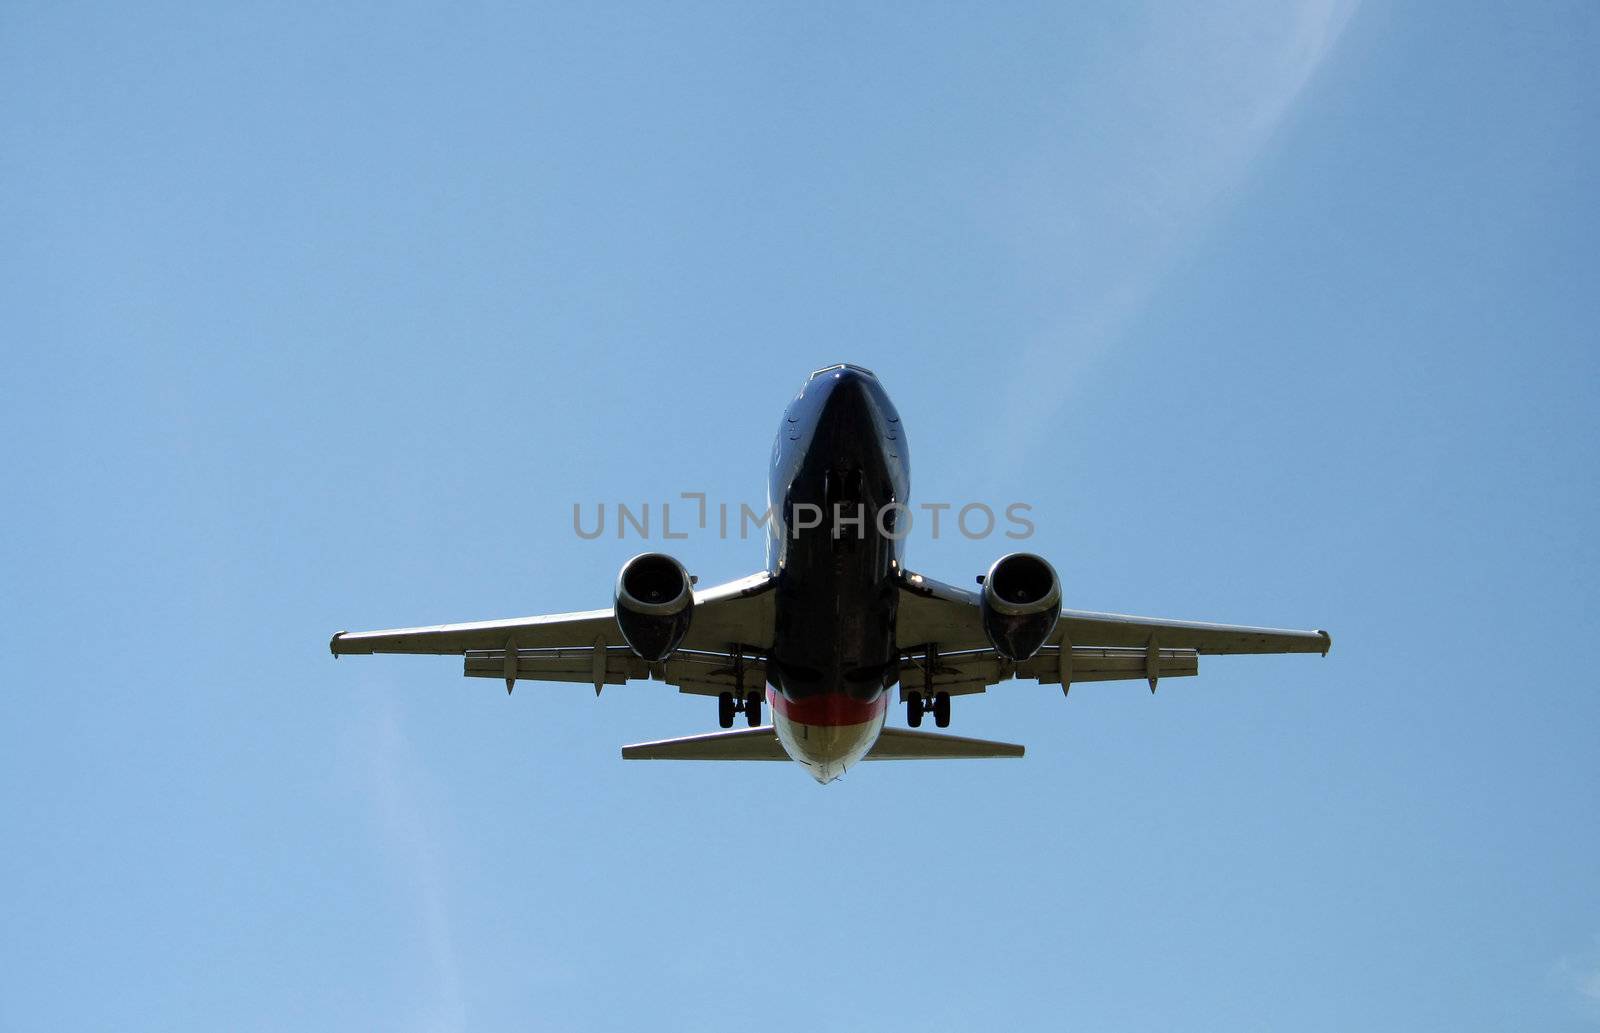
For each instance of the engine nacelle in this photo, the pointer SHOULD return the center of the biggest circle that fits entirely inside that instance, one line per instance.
(654, 603)
(1021, 601)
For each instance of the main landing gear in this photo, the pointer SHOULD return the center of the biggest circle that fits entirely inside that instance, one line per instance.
(730, 703)
(917, 705)
(749, 704)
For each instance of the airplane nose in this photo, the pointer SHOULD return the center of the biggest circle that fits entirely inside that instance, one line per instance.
(850, 396)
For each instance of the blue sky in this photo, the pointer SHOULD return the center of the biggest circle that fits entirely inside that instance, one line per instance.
(324, 318)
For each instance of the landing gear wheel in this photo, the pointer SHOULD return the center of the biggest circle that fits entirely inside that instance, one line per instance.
(752, 709)
(914, 709)
(725, 710)
(941, 709)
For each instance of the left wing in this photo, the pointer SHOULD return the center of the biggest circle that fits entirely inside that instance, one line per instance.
(728, 637)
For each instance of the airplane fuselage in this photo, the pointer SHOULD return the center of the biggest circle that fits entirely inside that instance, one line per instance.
(839, 481)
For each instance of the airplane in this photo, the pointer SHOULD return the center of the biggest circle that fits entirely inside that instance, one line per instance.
(835, 621)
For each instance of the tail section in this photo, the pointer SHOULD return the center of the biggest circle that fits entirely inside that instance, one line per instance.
(905, 744)
(762, 744)
(740, 744)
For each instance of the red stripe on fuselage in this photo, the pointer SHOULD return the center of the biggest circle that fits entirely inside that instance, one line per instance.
(828, 709)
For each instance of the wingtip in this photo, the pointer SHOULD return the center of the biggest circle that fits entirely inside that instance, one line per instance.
(1327, 641)
(333, 643)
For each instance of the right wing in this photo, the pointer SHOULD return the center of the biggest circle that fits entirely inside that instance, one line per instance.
(1116, 629)
(934, 612)
(939, 634)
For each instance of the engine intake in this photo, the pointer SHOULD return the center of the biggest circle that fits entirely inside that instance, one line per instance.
(654, 603)
(1021, 602)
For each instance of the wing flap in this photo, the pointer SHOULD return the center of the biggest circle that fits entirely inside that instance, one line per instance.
(1097, 663)
(707, 674)
(974, 670)
(569, 665)
(690, 671)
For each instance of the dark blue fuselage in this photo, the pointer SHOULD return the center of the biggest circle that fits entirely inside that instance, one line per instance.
(839, 483)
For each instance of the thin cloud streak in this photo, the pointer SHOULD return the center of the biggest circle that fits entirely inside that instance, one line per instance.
(398, 785)
(1138, 163)
(1579, 974)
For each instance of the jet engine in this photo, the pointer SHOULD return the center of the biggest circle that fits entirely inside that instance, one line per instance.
(654, 601)
(1021, 601)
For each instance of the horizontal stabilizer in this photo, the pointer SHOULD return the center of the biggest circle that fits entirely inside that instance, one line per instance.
(741, 744)
(762, 744)
(905, 744)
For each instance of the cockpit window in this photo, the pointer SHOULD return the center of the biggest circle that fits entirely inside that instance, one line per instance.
(864, 371)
